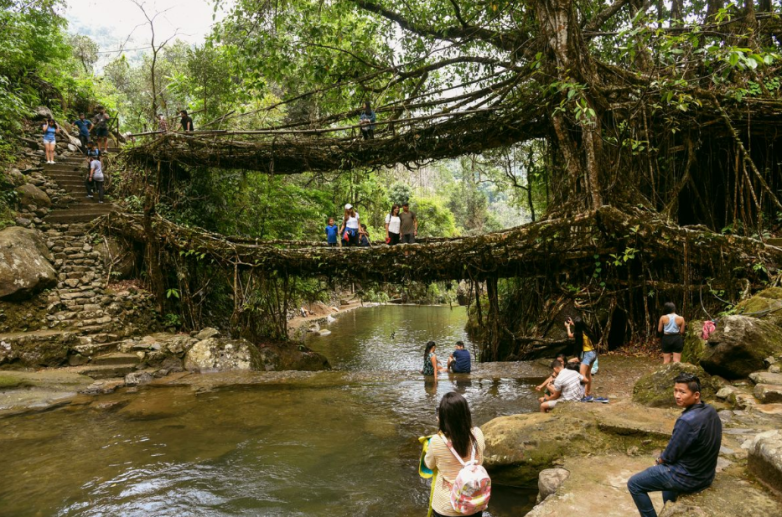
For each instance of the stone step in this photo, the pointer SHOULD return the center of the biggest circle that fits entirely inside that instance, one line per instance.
(61, 216)
(115, 358)
(105, 371)
(100, 339)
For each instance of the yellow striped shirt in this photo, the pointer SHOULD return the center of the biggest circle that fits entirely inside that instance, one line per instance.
(440, 457)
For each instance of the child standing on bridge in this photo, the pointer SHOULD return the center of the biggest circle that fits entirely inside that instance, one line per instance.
(331, 233)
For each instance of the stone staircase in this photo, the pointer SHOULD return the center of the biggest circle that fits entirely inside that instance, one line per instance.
(69, 173)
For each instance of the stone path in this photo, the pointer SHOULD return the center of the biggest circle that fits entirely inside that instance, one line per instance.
(70, 173)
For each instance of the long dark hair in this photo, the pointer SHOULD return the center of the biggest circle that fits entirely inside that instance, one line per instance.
(579, 331)
(392, 209)
(429, 346)
(456, 422)
(367, 108)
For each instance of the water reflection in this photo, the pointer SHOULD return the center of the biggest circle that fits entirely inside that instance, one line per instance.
(341, 443)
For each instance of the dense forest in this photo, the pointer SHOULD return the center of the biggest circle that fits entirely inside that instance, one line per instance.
(490, 114)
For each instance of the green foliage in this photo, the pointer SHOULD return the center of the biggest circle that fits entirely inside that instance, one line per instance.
(399, 194)
(434, 218)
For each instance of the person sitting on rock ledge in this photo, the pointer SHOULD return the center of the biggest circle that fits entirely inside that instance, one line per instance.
(566, 387)
(689, 462)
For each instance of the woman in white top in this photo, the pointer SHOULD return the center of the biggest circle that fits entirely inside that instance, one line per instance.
(671, 326)
(393, 225)
(350, 225)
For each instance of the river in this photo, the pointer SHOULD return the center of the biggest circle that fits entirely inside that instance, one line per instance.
(327, 443)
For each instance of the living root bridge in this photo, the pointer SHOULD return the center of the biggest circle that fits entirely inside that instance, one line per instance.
(631, 243)
(297, 151)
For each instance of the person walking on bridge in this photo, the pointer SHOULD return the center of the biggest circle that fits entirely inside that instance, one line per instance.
(408, 224)
(350, 226)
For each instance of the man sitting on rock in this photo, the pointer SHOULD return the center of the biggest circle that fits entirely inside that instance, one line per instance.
(566, 387)
(689, 462)
(459, 360)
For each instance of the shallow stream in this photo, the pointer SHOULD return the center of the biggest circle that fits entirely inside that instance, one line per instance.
(328, 443)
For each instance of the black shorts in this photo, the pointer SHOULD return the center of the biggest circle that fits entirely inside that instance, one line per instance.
(394, 238)
(408, 238)
(672, 343)
(102, 132)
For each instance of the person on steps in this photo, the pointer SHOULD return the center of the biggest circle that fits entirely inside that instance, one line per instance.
(689, 462)
(566, 387)
(367, 122)
(50, 129)
(393, 224)
(84, 125)
(332, 231)
(96, 176)
(583, 349)
(101, 126)
(671, 328)
(459, 360)
(456, 434)
(92, 153)
(350, 226)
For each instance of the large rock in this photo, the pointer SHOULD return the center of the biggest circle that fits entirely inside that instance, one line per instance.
(29, 194)
(656, 389)
(765, 459)
(768, 393)
(739, 346)
(694, 346)
(25, 264)
(766, 305)
(15, 177)
(42, 113)
(728, 496)
(219, 354)
(519, 447)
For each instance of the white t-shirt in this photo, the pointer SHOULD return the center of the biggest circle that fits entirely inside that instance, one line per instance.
(393, 223)
(568, 383)
(352, 222)
(97, 170)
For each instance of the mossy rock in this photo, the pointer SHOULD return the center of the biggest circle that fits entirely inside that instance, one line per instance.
(740, 345)
(766, 305)
(656, 389)
(694, 346)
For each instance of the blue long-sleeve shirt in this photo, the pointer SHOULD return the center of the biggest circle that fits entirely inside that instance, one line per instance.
(695, 444)
(371, 118)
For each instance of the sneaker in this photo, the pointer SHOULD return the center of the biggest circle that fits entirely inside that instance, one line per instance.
(89, 196)
(588, 399)
(101, 202)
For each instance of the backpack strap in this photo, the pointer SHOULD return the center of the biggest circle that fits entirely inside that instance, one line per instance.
(456, 454)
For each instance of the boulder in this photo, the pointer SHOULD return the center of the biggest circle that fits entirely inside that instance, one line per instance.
(29, 194)
(765, 459)
(42, 113)
(15, 177)
(728, 496)
(766, 378)
(549, 480)
(766, 305)
(656, 388)
(138, 378)
(768, 393)
(694, 346)
(219, 354)
(207, 333)
(25, 264)
(739, 346)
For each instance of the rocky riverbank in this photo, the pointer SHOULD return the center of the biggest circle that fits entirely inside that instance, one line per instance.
(582, 454)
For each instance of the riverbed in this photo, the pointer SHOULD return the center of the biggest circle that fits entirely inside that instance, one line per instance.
(328, 443)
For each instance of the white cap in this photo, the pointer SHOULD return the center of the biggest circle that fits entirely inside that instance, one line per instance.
(348, 206)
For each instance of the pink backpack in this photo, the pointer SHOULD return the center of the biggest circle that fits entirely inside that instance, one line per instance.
(708, 328)
(471, 490)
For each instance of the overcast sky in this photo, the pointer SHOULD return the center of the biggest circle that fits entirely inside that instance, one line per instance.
(120, 18)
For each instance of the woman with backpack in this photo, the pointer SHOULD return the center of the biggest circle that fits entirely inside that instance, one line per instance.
(461, 485)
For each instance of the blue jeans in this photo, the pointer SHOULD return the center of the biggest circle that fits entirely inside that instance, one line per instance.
(654, 479)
